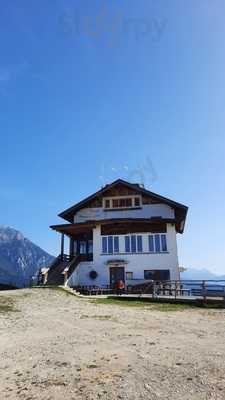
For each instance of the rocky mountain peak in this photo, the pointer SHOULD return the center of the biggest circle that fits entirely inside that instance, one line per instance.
(7, 234)
(20, 259)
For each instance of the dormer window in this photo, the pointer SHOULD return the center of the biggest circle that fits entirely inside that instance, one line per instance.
(122, 202)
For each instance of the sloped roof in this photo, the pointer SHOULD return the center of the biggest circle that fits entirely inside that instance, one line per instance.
(180, 209)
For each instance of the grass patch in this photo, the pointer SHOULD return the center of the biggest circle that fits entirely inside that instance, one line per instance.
(150, 304)
(160, 305)
(7, 305)
(143, 304)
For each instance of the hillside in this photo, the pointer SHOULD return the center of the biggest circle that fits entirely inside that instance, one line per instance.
(20, 259)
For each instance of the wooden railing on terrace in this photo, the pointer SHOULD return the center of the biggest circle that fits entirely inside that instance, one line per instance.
(202, 290)
(198, 289)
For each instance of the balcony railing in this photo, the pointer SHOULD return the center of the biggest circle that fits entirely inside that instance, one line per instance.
(83, 257)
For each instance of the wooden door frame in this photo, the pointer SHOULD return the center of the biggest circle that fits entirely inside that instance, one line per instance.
(116, 267)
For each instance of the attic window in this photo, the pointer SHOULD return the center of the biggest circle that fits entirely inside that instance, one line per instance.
(107, 203)
(122, 202)
(137, 201)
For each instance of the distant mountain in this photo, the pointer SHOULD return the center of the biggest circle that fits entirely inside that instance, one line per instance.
(195, 274)
(20, 259)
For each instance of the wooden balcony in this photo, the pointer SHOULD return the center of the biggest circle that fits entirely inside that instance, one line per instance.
(82, 257)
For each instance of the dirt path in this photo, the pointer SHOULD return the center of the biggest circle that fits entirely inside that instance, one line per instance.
(61, 347)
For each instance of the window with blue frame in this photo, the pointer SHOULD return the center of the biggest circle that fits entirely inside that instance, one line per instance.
(151, 243)
(83, 247)
(157, 243)
(163, 243)
(104, 244)
(110, 244)
(127, 244)
(139, 244)
(133, 244)
(116, 244)
(90, 246)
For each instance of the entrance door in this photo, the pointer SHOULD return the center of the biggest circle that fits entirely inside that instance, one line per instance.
(116, 274)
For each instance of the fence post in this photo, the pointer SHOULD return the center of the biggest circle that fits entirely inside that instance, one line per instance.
(204, 291)
(153, 290)
(175, 290)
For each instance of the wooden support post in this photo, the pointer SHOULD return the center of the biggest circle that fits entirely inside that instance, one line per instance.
(153, 290)
(71, 248)
(87, 247)
(62, 246)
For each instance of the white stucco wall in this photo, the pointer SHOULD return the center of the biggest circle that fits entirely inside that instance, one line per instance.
(136, 263)
(147, 211)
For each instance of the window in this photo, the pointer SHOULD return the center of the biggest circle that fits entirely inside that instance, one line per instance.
(116, 244)
(137, 201)
(157, 275)
(83, 247)
(110, 244)
(122, 202)
(163, 243)
(157, 243)
(128, 202)
(90, 246)
(127, 244)
(104, 245)
(133, 244)
(148, 275)
(107, 203)
(129, 275)
(139, 244)
(115, 203)
(151, 243)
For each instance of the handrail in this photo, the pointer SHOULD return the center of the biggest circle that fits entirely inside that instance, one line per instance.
(72, 265)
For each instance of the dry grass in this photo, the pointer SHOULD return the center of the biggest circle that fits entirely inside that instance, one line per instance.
(7, 305)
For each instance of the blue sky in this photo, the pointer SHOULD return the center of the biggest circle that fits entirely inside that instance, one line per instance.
(95, 90)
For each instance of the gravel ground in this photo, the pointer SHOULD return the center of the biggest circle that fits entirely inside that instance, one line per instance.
(58, 346)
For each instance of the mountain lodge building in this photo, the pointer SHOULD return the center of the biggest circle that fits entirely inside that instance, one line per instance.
(122, 232)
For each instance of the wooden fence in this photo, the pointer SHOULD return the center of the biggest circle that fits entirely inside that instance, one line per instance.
(189, 290)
